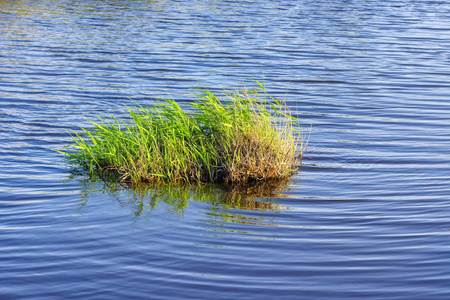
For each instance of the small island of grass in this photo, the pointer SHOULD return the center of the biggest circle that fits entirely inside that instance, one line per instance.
(239, 140)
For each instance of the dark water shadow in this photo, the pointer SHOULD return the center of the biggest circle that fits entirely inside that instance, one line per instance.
(144, 199)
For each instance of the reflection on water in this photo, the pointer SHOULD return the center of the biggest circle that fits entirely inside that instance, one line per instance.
(368, 219)
(145, 198)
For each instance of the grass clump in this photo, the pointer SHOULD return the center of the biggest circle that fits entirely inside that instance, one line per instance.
(241, 140)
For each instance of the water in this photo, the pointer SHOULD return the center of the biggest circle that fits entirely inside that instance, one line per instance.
(367, 216)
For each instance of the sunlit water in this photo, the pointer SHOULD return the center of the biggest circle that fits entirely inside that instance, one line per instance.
(367, 216)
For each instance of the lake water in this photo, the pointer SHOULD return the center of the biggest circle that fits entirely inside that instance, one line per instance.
(366, 217)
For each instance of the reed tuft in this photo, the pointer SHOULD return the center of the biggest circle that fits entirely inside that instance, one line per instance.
(247, 137)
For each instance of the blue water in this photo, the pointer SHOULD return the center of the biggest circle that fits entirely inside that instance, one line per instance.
(366, 217)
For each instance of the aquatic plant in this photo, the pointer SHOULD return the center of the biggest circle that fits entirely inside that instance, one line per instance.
(247, 137)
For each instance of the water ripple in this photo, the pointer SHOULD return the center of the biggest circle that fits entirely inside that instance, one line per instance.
(366, 216)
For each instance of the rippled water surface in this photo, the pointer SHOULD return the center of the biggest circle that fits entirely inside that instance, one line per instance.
(367, 216)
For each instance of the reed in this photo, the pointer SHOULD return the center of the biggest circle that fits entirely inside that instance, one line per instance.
(244, 138)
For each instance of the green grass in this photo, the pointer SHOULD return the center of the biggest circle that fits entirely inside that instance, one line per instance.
(245, 138)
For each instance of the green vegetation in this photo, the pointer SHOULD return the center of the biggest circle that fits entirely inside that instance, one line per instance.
(250, 137)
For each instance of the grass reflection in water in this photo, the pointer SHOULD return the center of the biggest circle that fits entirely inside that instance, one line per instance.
(144, 199)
